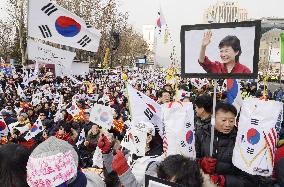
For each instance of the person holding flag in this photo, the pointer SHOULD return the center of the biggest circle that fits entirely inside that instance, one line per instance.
(19, 130)
(89, 145)
(219, 165)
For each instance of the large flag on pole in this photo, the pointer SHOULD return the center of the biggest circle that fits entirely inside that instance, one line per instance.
(143, 108)
(162, 48)
(282, 47)
(161, 21)
(48, 21)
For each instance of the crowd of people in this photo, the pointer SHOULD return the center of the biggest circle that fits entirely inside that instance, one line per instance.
(41, 160)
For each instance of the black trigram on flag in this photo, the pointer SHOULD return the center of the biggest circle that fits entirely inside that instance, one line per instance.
(88, 24)
(136, 139)
(45, 31)
(187, 125)
(190, 149)
(49, 9)
(250, 150)
(139, 95)
(182, 143)
(148, 113)
(84, 41)
(254, 121)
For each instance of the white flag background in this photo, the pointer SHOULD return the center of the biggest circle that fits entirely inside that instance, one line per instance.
(102, 115)
(48, 21)
(46, 54)
(179, 128)
(143, 108)
(98, 158)
(74, 109)
(258, 128)
(135, 140)
(20, 91)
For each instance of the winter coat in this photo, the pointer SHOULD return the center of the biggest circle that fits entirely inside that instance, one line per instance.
(279, 165)
(280, 172)
(223, 151)
(199, 123)
(10, 120)
(94, 180)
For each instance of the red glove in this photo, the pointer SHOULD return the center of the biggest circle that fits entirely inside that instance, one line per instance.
(104, 144)
(119, 163)
(208, 164)
(219, 180)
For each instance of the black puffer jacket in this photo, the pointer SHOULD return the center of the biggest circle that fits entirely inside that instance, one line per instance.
(280, 172)
(199, 123)
(223, 152)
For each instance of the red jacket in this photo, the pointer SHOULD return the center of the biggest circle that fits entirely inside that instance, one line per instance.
(65, 137)
(218, 67)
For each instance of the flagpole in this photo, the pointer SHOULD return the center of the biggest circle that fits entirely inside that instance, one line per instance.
(213, 118)
(212, 20)
(26, 52)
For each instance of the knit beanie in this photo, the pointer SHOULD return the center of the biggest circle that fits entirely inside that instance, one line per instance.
(52, 163)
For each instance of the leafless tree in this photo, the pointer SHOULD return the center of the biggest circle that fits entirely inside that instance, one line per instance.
(104, 15)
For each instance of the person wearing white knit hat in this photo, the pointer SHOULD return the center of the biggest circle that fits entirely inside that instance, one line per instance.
(54, 163)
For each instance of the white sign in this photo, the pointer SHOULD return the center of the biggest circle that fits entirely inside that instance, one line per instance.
(274, 56)
(49, 55)
(143, 108)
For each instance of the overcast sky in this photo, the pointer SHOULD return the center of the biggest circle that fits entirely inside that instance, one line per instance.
(189, 12)
(186, 12)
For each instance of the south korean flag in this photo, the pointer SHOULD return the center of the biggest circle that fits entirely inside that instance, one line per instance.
(258, 129)
(48, 21)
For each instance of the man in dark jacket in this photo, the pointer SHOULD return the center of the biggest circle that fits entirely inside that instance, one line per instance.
(203, 111)
(219, 165)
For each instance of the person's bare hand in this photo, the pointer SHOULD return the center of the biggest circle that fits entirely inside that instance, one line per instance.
(86, 143)
(206, 38)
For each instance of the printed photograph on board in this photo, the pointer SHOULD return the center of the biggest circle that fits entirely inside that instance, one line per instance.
(220, 50)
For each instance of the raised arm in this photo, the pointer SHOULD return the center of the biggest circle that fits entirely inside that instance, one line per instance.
(205, 42)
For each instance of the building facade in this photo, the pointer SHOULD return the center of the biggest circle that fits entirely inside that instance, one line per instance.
(149, 35)
(223, 12)
(269, 51)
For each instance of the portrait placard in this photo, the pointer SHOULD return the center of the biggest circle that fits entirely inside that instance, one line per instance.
(220, 50)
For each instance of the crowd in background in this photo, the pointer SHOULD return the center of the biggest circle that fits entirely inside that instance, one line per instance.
(47, 99)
